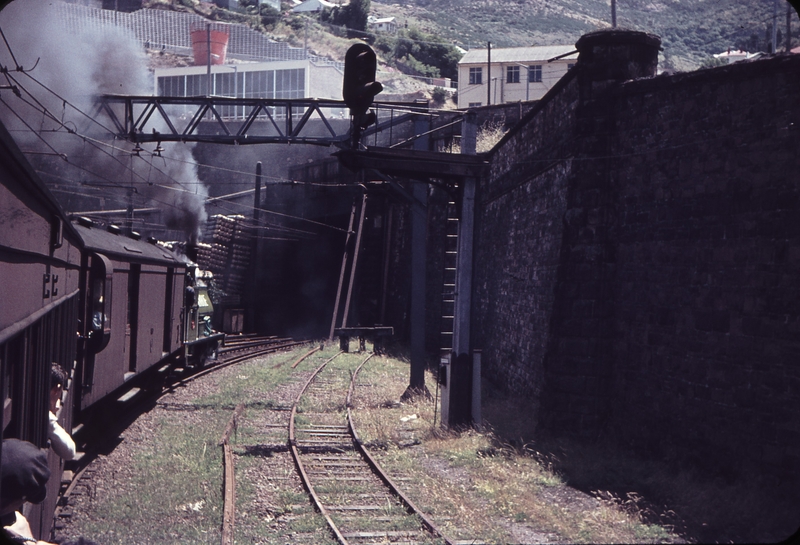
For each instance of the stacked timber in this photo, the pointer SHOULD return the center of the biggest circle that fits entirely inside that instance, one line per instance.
(226, 253)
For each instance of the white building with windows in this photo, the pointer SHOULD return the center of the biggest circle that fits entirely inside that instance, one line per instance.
(279, 79)
(312, 6)
(516, 73)
(385, 24)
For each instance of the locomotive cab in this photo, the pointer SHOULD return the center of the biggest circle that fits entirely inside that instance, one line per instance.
(201, 340)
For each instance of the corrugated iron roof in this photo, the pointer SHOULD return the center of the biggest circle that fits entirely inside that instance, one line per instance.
(519, 54)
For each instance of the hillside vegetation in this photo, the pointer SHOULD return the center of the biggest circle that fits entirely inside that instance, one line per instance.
(691, 30)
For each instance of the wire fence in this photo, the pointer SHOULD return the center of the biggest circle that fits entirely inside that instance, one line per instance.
(170, 31)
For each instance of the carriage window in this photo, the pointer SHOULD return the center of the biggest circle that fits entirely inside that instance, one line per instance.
(5, 378)
(100, 316)
(99, 327)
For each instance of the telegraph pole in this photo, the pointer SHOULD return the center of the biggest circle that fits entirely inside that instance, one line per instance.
(489, 74)
(208, 58)
(788, 27)
(774, 27)
(613, 13)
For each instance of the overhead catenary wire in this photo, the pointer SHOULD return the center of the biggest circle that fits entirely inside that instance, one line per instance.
(87, 139)
(98, 143)
(42, 109)
(123, 186)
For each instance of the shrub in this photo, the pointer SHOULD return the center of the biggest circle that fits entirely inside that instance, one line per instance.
(269, 16)
(428, 50)
(353, 15)
(712, 62)
(439, 95)
(421, 68)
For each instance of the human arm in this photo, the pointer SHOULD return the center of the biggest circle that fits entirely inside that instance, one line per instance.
(20, 532)
(62, 443)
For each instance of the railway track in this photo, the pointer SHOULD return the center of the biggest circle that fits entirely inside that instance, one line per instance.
(103, 426)
(361, 504)
(238, 349)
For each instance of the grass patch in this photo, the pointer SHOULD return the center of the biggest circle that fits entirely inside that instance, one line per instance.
(174, 481)
(481, 485)
(668, 495)
(253, 382)
(171, 492)
(506, 484)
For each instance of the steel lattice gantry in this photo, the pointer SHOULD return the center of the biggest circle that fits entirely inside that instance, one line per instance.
(226, 120)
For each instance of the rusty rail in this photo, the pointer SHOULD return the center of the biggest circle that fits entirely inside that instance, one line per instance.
(296, 455)
(304, 356)
(268, 349)
(229, 479)
(410, 507)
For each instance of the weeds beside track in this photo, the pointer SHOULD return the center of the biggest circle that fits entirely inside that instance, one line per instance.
(360, 503)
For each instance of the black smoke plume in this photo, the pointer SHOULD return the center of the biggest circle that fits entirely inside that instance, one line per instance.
(54, 119)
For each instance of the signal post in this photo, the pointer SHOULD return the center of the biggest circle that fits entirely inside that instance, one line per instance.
(460, 405)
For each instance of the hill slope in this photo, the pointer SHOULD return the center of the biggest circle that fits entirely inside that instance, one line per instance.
(691, 30)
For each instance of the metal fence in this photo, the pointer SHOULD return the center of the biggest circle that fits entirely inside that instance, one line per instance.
(170, 31)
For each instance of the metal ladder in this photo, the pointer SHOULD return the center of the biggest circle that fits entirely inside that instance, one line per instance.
(449, 280)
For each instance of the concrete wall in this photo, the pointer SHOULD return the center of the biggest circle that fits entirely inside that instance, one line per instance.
(637, 256)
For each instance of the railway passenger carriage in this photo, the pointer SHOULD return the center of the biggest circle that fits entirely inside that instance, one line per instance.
(108, 307)
(39, 307)
(133, 311)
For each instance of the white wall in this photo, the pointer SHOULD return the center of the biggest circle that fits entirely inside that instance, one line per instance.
(503, 92)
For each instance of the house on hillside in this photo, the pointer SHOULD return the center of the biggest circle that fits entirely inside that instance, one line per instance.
(732, 55)
(122, 5)
(312, 5)
(234, 5)
(387, 25)
(515, 73)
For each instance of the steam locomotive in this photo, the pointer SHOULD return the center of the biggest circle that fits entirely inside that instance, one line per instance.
(111, 309)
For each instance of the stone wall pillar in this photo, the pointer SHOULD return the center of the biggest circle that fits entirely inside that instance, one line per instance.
(615, 55)
(579, 367)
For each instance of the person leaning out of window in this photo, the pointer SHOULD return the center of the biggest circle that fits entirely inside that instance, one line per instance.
(60, 441)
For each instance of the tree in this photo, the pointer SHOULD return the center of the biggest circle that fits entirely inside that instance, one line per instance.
(419, 48)
(269, 16)
(353, 15)
(250, 6)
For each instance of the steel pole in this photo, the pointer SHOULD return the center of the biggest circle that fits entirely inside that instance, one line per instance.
(489, 74)
(457, 390)
(419, 238)
(353, 268)
(774, 26)
(613, 13)
(208, 59)
(342, 271)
